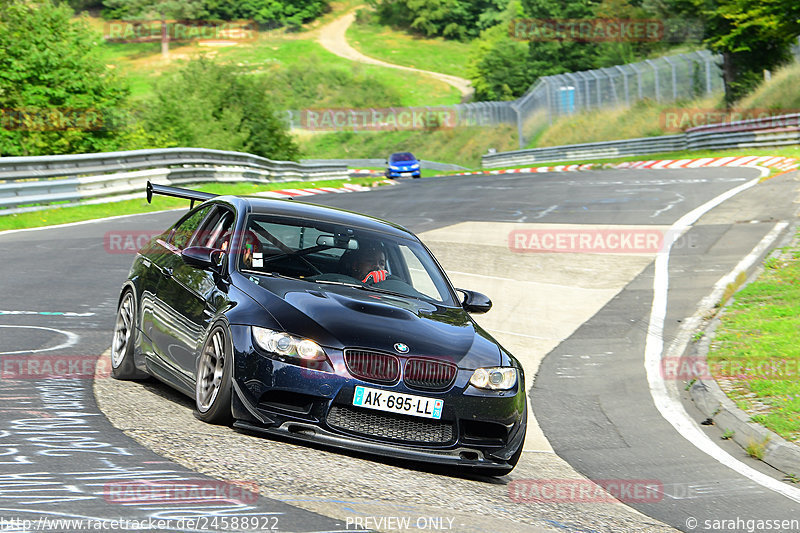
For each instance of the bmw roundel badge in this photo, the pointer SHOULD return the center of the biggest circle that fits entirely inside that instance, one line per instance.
(401, 348)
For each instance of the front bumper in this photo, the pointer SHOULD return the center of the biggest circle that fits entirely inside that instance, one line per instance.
(390, 173)
(477, 430)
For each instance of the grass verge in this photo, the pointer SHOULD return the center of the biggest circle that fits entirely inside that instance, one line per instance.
(436, 55)
(64, 215)
(754, 354)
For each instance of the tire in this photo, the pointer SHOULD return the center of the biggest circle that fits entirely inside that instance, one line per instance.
(213, 378)
(122, 364)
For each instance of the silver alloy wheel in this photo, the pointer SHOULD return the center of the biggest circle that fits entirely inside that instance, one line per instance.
(123, 330)
(210, 371)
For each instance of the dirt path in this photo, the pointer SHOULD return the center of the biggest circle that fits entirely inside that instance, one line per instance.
(333, 38)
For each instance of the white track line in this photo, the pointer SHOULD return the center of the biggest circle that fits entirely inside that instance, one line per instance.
(668, 404)
(72, 340)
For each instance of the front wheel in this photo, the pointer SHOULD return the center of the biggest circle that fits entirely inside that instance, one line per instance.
(213, 378)
(122, 365)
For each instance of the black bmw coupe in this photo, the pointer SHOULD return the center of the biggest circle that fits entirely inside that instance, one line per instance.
(321, 325)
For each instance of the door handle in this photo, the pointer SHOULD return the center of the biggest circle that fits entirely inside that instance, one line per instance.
(167, 273)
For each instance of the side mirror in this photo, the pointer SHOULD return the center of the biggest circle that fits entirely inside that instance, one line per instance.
(203, 258)
(475, 302)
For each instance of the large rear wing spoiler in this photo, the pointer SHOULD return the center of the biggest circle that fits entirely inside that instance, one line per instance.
(177, 192)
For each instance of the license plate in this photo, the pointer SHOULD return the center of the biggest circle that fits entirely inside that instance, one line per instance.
(406, 173)
(397, 402)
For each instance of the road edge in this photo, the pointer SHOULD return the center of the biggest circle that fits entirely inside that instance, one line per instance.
(712, 401)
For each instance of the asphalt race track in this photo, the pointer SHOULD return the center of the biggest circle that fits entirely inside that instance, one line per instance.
(69, 446)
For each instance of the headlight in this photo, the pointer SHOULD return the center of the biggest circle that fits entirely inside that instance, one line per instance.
(281, 343)
(498, 378)
(414, 167)
(392, 167)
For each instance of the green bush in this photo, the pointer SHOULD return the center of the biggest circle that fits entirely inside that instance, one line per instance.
(498, 66)
(454, 19)
(208, 105)
(56, 94)
(316, 85)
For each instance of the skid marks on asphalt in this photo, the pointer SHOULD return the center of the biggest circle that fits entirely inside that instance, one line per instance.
(541, 298)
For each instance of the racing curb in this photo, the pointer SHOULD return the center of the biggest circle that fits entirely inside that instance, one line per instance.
(720, 410)
(785, 164)
(294, 193)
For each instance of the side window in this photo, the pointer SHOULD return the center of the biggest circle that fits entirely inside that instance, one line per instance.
(420, 279)
(215, 230)
(184, 230)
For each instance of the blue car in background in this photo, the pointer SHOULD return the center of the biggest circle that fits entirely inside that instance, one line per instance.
(402, 164)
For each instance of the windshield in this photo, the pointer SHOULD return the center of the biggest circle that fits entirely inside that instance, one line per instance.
(404, 156)
(330, 253)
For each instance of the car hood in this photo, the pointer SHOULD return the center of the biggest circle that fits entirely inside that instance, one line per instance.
(345, 317)
(404, 163)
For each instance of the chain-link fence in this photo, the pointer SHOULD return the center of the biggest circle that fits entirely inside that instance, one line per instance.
(665, 79)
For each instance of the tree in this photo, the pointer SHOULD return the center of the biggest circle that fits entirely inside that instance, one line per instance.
(208, 105)
(499, 70)
(454, 19)
(292, 13)
(752, 35)
(560, 55)
(56, 94)
(161, 10)
(498, 65)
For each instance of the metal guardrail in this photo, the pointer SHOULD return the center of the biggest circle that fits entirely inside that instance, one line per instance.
(380, 162)
(772, 131)
(769, 131)
(70, 178)
(596, 150)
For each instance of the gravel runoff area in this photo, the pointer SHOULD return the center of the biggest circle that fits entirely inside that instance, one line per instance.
(344, 485)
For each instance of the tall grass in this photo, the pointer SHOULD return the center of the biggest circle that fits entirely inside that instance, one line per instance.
(643, 119)
(778, 94)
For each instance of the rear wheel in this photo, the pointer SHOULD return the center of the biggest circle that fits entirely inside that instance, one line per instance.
(122, 365)
(213, 378)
